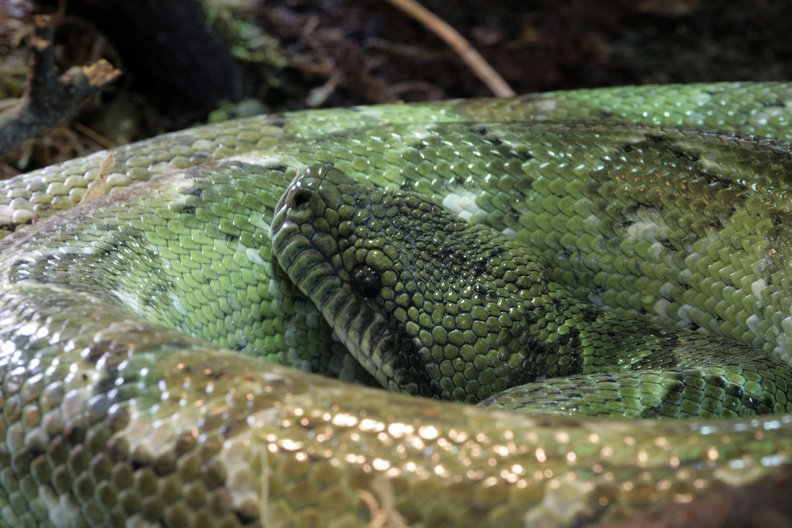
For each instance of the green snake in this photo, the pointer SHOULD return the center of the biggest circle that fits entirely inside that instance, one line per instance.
(434, 306)
(132, 325)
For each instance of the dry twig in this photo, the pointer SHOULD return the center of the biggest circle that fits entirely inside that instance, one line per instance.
(49, 98)
(464, 49)
(97, 187)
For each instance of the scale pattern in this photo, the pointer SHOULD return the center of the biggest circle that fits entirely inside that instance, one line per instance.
(131, 387)
(434, 306)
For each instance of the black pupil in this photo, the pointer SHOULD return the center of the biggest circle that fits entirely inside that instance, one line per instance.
(366, 282)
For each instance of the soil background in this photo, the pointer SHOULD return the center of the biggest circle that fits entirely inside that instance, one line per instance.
(182, 59)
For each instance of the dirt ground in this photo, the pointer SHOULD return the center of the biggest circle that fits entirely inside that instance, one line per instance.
(300, 53)
(538, 45)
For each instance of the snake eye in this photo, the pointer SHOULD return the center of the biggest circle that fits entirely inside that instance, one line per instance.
(366, 282)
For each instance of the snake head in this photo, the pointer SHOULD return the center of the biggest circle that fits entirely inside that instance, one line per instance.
(426, 302)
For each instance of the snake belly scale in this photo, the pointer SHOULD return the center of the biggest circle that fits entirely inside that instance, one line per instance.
(132, 325)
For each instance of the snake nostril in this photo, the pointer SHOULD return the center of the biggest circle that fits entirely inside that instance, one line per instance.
(300, 198)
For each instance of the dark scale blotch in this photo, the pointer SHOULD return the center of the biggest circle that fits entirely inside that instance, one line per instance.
(626, 148)
(716, 224)
(454, 258)
(779, 238)
(35, 450)
(199, 157)
(246, 517)
(214, 374)
(479, 267)
(408, 358)
(716, 179)
(589, 314)
(278, 168)
(779, 217)
(651, 413)
(680, 154)
(751, 402)
(75, 433)
(165, 464)
(108, 381)
(278, 120)
(486, 135)
(231, 238)
(666, 243)
(572, 340)
(137, 464)
(716, 381)
(646, 205)
(185, 442)
(480, 289)
(678, 384)
(658, 194)
(195, 191)
(232, 429)
(497, 251)
(675, 385)
(14, 226)
(735, 390)
(20, 270)
(524, 155)
(188, 209)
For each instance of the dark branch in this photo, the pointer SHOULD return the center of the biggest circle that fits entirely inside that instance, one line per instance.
(49, 98)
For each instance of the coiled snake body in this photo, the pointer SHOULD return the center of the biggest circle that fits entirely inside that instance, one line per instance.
(129, 324)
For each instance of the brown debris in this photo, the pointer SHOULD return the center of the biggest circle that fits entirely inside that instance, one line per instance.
(48, 98)
(462, 47)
